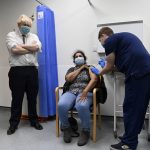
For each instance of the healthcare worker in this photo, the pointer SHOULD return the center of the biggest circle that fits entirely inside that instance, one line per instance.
(23, 47)
(127, 53)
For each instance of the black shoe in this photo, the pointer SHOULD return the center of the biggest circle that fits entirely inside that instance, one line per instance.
(11, 130)
(37, 125)
(120, 146)
(84, 137)
(67, 135)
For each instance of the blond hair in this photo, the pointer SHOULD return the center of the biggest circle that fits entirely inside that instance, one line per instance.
(24, 20)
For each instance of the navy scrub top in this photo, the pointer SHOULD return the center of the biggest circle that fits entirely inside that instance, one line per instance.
(132, 58)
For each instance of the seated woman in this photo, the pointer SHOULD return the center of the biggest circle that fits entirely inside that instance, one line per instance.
(82, 81)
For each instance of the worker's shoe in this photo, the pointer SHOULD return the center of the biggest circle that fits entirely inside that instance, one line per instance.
(37, 125)
(11, 130)
(67, 135)
(120, 146)
(84, 137)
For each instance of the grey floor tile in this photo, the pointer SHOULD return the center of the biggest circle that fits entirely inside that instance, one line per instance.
(27, 138)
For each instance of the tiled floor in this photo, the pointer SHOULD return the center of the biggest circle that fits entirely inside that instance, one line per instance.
(27, 138)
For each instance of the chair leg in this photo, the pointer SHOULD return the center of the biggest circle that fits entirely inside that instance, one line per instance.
(94, 119)
(94, 128)
(71, 113)
(57, 117)
(99, 116)
(57, 125)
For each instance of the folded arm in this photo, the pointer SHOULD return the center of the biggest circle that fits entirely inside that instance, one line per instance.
(34, 47)
(72, 76)
(20, 49)
(17, 49)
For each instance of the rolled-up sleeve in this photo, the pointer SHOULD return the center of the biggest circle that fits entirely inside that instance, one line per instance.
(10, 40)
(38, 42)
(111, 44)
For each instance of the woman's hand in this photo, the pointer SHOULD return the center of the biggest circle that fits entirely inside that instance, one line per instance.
(84, 67)
(83, 96)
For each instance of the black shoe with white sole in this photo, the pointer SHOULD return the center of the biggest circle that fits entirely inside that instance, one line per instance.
(120, 146)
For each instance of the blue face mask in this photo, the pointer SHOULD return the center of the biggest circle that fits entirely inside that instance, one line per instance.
(79, 61)
(24, 30)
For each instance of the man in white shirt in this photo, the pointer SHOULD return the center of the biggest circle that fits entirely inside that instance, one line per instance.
(23, 47)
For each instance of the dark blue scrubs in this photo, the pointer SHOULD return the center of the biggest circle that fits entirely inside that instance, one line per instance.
(132, 59)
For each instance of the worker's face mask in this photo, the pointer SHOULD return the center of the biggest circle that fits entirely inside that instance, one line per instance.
(79, 61)
(24, 30)
(103, 38)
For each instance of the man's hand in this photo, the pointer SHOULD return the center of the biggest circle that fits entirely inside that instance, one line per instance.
(102, 62)
(95, 70)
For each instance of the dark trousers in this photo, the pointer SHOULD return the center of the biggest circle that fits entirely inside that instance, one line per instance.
(137, 96)
(22, 80)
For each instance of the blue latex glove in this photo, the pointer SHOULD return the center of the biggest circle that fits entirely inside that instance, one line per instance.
(95, 70)
(102, 62)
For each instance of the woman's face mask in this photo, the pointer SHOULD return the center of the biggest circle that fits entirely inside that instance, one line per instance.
(79, 61)
(24, 30)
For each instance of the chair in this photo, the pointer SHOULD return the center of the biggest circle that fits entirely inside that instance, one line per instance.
(95, 113)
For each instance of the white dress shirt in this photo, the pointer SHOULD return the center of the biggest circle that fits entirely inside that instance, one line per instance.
(14, 38)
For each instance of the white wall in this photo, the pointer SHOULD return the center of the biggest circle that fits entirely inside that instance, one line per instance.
(9, 13)
(76, 23)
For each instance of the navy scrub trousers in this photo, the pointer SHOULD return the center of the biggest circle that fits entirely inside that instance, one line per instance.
(137, 96)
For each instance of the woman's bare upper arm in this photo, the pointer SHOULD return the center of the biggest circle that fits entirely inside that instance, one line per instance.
(92, 75)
